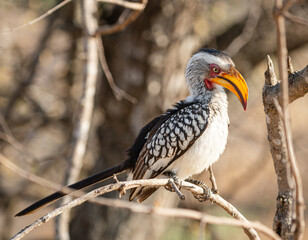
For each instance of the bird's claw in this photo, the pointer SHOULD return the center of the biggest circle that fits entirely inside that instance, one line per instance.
(206, 190)
(214, 190)
(169, 188)
(177, 181)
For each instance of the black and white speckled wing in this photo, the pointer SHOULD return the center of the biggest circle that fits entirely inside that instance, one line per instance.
(169, 139)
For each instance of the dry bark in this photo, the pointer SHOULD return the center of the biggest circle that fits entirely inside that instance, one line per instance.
(284, 223)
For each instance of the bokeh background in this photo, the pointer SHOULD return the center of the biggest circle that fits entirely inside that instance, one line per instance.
(41, 84)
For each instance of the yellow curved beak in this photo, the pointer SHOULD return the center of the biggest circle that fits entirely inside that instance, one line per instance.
(234, 82)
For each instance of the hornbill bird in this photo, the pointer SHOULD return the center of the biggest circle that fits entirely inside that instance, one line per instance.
(186, 139)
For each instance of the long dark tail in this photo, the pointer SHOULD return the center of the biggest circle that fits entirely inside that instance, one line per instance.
(101, 176)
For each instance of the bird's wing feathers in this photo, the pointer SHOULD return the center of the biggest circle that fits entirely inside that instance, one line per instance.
(170, 138)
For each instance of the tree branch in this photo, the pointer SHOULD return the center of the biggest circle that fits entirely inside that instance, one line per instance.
(279, 8)
(130, 5)
(295, 18)
(298, 87)
(124, 20)
(170, 212)
(122, 187)
(248, 30)
(46, 14)
(83, 124)
(118, 92)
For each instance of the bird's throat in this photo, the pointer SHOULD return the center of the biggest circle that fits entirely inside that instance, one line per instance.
(208, 84)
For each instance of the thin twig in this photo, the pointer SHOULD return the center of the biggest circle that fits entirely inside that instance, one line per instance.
(290, 66)
(27, 175)
(8, 137)
(278, 108)
(19, 147)
(118, 92)
(213, 180)
(122, 22)
(130, 5)
(296, 19)
(170, 212)
(49, 12)
(286, 6)
(5, 126)
(229, 208)
(248, 30)
(37, 179)
(283, 73)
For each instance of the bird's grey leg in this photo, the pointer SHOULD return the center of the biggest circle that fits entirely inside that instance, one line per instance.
(206, 189)
(176, 180)
(175, 185)
(213, 180)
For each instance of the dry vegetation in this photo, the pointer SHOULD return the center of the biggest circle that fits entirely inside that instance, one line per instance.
(41, 86)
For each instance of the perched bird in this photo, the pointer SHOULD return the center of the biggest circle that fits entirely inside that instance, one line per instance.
(186, 139)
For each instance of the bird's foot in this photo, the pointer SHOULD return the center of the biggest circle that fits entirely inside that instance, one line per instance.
(207, 191)
(175, 184)
(176, 180)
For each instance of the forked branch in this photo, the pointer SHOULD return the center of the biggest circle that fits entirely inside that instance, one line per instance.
(272, 98)
(239, 220)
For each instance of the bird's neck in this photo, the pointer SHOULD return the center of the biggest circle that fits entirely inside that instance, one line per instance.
(216, 96)
(219, 99)
(216, 100)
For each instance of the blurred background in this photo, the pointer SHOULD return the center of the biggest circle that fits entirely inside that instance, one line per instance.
(41, 85)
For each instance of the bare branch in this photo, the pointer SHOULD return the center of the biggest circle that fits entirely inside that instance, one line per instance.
(290, 66)
(5, 126)
(82, 127)
(286, 6)
(283, 73)
(278, 108)
(118, 92)
(18, 146)
(27, 175)
(86, 107)
(295, 18)
(170, 212)
(248, 30)
(298, 87)
(37, 179)
(123, 21)
(46, 14)
(130, 5)
(213, 180)
(214, 198)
